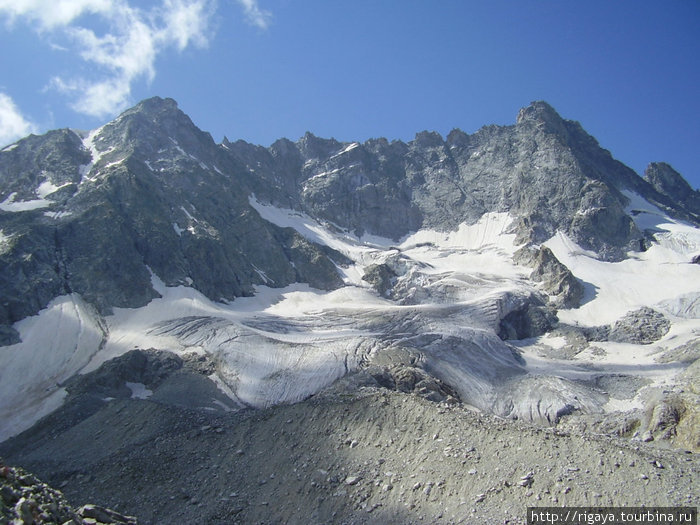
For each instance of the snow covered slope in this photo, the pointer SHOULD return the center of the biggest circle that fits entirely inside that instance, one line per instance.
(449, 292)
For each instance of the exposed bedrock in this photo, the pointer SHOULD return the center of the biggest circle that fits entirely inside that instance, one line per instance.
(564, 289)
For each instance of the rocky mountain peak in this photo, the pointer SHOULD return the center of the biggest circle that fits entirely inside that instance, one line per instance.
(155, 105)
(283, 147)
(428, 139)
(665, 179)
(457, 138)
(152, 126)
(312, 146)
(538, 110)
(544, 115)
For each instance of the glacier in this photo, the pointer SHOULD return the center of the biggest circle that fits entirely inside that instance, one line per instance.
(451, 290)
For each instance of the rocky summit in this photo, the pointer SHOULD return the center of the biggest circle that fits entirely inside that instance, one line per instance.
(445, 330)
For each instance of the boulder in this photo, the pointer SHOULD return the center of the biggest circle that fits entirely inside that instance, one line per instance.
(380, 277)
(564, 289)
(642, 326)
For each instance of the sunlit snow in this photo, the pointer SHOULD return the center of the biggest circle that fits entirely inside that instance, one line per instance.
(44, 189)
(11, 205)
(56, 343)
(662, 274)
(138, 390)
(284, 344)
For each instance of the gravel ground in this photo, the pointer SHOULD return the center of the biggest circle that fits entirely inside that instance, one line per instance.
(363, 456)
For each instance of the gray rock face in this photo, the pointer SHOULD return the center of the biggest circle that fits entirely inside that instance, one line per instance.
(154, 194)
(564, 289)
(643, 326)
(546, 171)
(671, 184)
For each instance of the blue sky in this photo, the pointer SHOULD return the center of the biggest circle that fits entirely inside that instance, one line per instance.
(259, 70)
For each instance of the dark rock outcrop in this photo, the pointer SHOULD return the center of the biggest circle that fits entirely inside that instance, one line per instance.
(410, 379)
(380, 277)
(25, 500)
(671, 184)
(565, 290)
(149, 367)
(642, 326)
(533, 318)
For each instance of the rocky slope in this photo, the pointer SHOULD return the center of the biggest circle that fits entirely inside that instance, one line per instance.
(356, 453)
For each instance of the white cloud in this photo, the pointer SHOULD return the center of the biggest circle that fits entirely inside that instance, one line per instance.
(186, 22)
(54, 13)
(12, 124)
(124, 52)
(256, 16)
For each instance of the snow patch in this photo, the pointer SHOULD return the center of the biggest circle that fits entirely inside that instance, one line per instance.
(644, 214)
(345, 150)
(96, 155)
(57, 214)
(47, 188)
(202, 165)
(489, 232)
(62, 337)
(44, 189)
(10, 205)
(263, 275)
(10, 147)
(139, 390)
(660, 274)
(194, 222)
(177, 146)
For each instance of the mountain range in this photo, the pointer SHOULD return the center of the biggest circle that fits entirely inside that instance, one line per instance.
(520, 271)
(432, 253)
